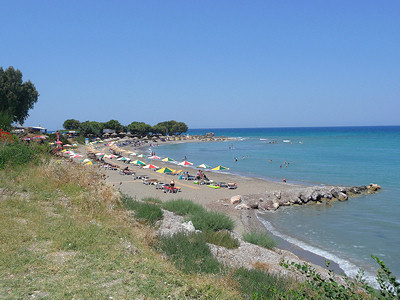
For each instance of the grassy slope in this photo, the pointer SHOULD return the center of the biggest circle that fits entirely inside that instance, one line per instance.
(64, 234)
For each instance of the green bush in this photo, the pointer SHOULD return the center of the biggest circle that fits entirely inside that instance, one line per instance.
(221, 238)
(257, 284)
(147, 212)
(262, 239)
(183, 207)
(190, 253)
(152, 200)
(16, 154)
(210, 220)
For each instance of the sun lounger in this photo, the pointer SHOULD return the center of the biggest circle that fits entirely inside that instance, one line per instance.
(169, 189)
(150, 181)
(232, 186)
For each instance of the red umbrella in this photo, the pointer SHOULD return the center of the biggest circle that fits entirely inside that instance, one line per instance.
(59, 142)
(185, 163)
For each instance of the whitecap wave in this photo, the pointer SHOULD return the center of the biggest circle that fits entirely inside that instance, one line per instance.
(348, 267)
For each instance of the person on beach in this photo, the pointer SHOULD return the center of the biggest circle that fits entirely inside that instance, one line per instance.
(172, 183)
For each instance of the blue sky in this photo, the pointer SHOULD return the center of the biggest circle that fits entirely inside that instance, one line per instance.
(210, 64)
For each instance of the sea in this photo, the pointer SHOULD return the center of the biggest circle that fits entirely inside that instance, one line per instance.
(345, 232)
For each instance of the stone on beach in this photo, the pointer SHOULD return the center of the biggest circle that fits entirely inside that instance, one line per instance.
(236, 199)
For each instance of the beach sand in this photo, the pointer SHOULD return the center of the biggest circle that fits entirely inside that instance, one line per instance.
(212, 199)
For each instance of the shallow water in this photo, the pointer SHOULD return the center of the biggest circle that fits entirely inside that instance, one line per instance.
(346, 232)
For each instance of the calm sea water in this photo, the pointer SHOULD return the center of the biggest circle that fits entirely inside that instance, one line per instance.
(346, 232)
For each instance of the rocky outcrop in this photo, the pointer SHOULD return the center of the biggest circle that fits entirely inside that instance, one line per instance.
(304, 195)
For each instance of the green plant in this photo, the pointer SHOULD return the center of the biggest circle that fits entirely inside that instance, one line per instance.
(390, 287)
(152, 200)
(327, 287)
(15, 154)
(262, 239)
(257, 284)
(221, 238)
(183, 207)
(189, 252)
(148, 212)
(210, 220)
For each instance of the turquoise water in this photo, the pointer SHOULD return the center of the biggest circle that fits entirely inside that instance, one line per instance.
(347, 232)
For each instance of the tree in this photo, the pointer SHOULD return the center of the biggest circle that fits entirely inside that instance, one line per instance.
(114, 125)
(171, 127)
(91, 127)
(139, 128)
(16, 97)
(71, 124)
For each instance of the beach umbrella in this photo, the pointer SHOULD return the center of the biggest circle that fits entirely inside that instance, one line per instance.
(150, 166)
(185, 163)
(167, 159)
(133, 154)
(138, 162)
(165, 170)
(65, 150)
(176, 172)
(77, 155)
(88, 163)
(123, 159)
(67, 145)
(100, 154)
(154, 157)
(141, 155)
(219, 168)
(112, 156)
(86, 160)
(204, 166)
(59, 142)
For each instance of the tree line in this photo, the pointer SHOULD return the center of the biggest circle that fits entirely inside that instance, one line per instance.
(136, 128)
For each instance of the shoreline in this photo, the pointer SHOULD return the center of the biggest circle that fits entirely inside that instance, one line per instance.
(213, 199)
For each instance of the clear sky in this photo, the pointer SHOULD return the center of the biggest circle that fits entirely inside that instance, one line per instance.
(207, 63)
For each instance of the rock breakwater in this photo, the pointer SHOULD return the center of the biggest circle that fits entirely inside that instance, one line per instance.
(272, 200)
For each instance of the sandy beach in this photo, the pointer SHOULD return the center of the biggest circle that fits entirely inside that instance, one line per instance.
(212, 199)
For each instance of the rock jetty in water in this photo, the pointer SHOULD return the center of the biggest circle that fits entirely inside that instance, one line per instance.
(300, 195)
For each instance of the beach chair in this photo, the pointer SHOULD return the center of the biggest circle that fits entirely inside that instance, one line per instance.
(232, 186)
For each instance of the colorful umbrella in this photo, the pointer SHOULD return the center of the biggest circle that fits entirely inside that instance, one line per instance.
(100, 154)
(154, 157)
(77, 155)
(133, 154)
(185, 163)
(167, 159)
(150, 167)
(138, 162)
(204, 166)
(165, 170)
(123, 159)
(220, 168)
(59, 142)
(86, 160)
(141, 155)
(88, 163)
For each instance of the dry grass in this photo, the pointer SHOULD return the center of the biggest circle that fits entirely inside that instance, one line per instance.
(65, 234)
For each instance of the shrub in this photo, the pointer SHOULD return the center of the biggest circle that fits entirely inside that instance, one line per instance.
(262, 239)
(190, 253)
(221, 238)
(16, 154)
(210, 220)
(183, 207)
(257, 284)
(152, 200)
(147, 212)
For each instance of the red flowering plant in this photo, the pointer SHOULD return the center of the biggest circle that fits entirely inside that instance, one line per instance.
(5, 137)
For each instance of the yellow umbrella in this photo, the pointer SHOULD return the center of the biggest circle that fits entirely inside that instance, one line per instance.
(220, 168)
(167, 159)
(89, 163)
(165, 170)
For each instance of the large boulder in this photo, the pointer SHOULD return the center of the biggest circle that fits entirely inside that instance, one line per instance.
(236, 199)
